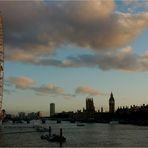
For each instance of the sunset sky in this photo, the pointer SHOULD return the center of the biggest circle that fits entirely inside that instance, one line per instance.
(64, 51)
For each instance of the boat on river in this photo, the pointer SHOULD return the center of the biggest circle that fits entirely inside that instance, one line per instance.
(80, 124)
(53, 138)
(114, 122)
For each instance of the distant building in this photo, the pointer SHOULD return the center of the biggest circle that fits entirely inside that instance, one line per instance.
(21, 115)
(111, 103)
(52, 109)
(90, 105)
(101, 109)
(31, 115)
(39, 115)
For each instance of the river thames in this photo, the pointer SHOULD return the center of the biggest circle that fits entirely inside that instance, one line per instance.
(90, 135)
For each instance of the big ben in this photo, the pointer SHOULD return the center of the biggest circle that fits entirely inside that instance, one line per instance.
(111, 103)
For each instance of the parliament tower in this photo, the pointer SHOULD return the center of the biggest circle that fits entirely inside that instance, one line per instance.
(111, 103)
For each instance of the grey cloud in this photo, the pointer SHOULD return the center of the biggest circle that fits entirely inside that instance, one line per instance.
(52, 90)
(48, 89)
(124, 59)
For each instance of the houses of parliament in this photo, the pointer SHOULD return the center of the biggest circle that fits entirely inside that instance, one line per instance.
(91, 108)
(89, 114)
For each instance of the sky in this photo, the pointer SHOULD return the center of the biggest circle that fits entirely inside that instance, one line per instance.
(64, 51)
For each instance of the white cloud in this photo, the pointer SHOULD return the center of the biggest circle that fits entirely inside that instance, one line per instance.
(21, 82)
(26, 83)
(87, 90)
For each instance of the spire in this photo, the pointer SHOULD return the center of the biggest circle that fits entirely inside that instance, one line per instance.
(111, 96)
(111, 103)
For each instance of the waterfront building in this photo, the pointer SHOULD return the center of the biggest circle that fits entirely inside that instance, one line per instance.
(90, 105)
(21, 115)
(39, 115)
(101, 109)
(111, 103)
(52, 109)
(31, 115)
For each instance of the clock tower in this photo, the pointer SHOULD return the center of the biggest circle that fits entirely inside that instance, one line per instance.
(111, 103)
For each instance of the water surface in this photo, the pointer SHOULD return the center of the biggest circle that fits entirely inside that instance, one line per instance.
(90, 135)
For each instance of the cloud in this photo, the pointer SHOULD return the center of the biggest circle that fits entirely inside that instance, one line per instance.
(124, 59)
(46, 25)
(42, 26)
(21, 82)
(19, 56)
(26, 83)
(48, 89)
(87, 90)
(52, 90)
(136, 3)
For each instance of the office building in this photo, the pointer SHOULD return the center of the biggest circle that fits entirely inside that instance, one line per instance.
(52, 109)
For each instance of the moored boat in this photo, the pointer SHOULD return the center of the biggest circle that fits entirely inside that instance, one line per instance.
(80, 124)
(53, 138)
(114, 122)
(58, 121)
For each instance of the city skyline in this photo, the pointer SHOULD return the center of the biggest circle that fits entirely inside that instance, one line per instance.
(65, 51)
